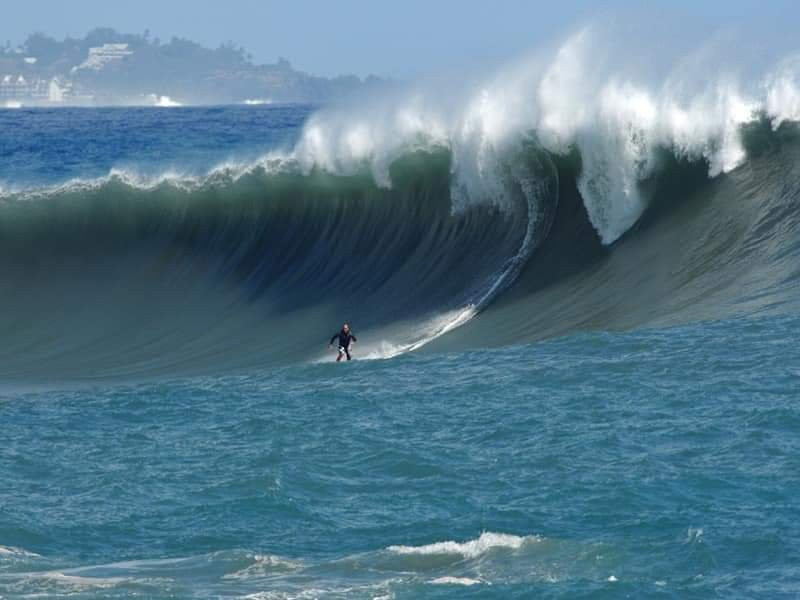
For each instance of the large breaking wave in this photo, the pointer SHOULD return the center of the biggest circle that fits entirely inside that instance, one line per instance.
(561, 195)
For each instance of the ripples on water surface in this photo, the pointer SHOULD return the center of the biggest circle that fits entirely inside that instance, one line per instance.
(660, 463)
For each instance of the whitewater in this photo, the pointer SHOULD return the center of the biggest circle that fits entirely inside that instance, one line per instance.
(575, 281)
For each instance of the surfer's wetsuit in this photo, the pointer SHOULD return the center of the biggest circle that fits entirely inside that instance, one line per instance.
(345, 338)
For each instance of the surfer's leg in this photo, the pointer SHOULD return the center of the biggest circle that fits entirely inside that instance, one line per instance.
(348, 354)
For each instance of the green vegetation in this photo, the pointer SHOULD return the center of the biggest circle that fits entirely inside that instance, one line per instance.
(181, 69)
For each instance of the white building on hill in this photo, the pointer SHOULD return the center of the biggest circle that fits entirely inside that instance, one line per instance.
(100, 56)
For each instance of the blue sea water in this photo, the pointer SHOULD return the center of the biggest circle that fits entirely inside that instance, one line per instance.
(642, 455)
(51, 146)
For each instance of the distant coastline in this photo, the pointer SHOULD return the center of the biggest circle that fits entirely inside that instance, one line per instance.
(109, 68)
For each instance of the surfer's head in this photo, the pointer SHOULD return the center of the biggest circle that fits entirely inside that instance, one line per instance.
(345, 327)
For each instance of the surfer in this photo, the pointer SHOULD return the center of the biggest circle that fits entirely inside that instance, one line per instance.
(346, 338)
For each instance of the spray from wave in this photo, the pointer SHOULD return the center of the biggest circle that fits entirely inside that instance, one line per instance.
(577, 99)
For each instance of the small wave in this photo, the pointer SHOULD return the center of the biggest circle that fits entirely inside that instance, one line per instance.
(447, 580)
(17, 552)
(377, 591)
(65, 582)
(487, 542)
(264, 564)
(76, 580)
(694, 535)
(223, 174)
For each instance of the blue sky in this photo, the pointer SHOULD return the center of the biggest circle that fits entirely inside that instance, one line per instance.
(403, 38)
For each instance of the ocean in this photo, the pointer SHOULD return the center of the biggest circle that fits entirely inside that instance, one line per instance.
(576, 373)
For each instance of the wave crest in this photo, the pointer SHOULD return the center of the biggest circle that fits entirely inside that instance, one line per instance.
(581, 96)
(487, 542)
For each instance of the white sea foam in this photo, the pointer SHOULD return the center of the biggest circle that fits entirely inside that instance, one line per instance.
(487, 542)
(375, 592)
(162, 101)
(11, 551)
(71, 582)
(694, 534)
(456, 581)
(264, 564)
(223, 174)
(422, 335)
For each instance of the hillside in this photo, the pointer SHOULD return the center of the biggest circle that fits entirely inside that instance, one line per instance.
(107, 68)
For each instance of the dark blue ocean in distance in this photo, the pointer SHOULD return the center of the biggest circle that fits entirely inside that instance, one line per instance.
(41, 146)
(604, 421)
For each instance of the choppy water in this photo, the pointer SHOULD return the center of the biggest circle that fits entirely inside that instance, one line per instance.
(661, 463)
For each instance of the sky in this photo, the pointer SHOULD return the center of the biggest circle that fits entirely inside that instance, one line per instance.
(400, 39)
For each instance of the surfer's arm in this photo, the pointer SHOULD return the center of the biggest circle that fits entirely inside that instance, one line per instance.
(335, 335)
(354, 338)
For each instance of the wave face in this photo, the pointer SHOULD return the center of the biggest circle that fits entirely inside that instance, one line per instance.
(564, 194)
(236, 270)
(705, 249)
